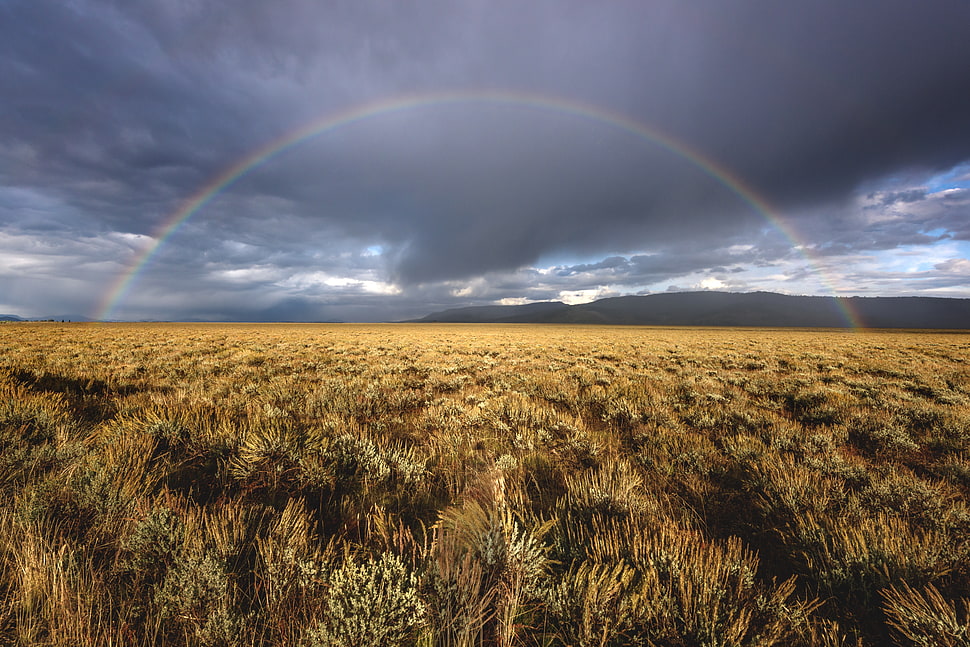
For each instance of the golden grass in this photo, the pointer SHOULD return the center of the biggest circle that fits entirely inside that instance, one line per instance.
(297, 484)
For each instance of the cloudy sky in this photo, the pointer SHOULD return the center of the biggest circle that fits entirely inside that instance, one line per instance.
(378, 160)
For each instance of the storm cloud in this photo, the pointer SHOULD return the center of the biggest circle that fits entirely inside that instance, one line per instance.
(656, 136)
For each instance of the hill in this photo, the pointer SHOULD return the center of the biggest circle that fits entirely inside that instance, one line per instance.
(9, 317)
(729, 309)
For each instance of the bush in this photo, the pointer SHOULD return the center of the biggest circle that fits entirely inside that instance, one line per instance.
(371, 602)
(669, 585)
(197, 596)
(594, 604)
(853, 561)
(926, 618)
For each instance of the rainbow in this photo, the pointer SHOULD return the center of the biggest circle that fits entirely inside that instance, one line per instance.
(332, 122)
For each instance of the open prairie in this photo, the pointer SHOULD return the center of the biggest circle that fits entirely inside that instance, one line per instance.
(210, 484)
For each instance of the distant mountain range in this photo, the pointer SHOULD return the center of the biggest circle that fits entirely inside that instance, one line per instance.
(750, 309)
(52, 318)
(729, 309)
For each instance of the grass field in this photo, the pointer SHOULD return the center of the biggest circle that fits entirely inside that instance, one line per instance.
(314, 485)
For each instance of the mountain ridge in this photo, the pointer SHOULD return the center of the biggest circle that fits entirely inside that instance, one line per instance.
(742, 309)
(72, 318)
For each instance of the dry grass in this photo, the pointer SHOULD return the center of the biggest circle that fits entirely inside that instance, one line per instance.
(172, 484)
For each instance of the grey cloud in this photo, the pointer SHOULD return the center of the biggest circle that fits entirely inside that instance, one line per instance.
(959, 265)
(909, 195)
(887, 222)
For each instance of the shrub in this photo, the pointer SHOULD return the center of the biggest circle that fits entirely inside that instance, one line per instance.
(594, 604)
(153, 543)
(94, 494)
(270, 455)
(682, 588)
(884, 438)
(928, 504)
(198, 597)
(291, 572)
(30, 418)
(926, 618)
(852, 561)
(612, 490)
(370, 602)
(487, 566)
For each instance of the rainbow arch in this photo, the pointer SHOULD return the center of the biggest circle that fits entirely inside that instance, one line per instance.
(336, 121)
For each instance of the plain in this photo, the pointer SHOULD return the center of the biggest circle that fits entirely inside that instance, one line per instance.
(236, 484)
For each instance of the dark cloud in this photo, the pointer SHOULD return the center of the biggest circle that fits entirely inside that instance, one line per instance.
(113, 114)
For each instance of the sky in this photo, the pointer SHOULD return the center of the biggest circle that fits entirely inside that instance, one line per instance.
(366, 160)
